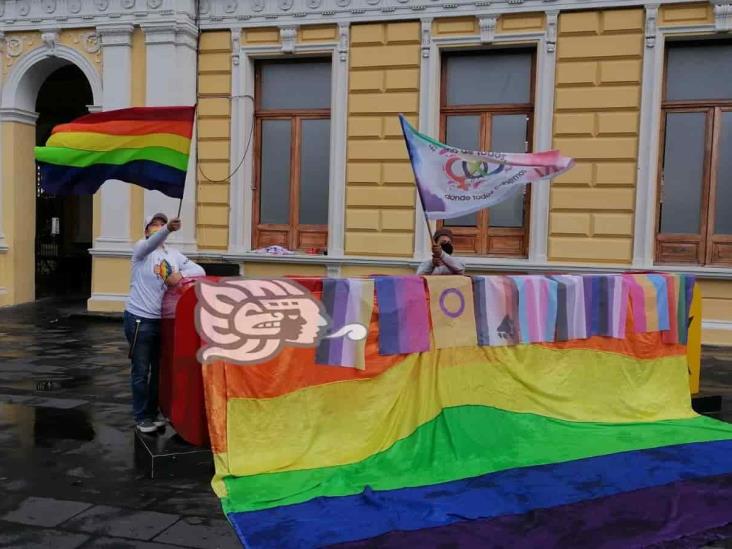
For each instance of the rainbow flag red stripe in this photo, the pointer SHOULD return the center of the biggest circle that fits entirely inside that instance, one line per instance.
(147, 146)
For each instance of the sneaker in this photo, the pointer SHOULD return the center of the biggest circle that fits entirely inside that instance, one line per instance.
(146, 426)
(159, 421)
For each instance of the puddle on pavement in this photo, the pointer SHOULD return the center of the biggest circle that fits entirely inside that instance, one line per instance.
(43, 426)
(57, 382)
(53, 424)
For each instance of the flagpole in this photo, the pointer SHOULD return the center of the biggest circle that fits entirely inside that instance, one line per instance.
(180, 205)
(419, 193)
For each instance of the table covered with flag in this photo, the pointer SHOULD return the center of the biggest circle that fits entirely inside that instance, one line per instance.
(530, 411)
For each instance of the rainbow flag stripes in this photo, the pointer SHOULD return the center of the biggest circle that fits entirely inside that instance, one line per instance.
(564, 444)
(147, 146)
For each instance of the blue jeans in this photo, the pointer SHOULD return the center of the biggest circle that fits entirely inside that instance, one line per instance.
(145, 368)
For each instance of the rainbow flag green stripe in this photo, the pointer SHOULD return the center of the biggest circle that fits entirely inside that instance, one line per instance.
(77, 158)
(145, 146)
(462, 442)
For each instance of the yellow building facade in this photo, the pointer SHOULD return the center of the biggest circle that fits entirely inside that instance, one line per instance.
(298, 142)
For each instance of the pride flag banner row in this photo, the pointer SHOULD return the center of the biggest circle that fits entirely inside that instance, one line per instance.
(511, 310)
(416, 314)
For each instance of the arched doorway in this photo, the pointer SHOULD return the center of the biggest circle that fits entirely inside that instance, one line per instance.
(63, 223)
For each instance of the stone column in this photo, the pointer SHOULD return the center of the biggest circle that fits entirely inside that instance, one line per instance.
(116, 76)
(171, 80)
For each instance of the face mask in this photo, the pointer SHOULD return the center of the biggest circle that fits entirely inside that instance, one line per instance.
(446, 247)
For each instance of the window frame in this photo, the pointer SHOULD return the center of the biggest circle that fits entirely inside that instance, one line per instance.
(706, 241)
(483, 235)
(299, 236)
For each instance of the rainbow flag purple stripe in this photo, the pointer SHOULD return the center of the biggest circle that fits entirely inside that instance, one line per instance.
(537, 306)
(404, 325)
(347, 301)
(682, 509)
(636, 476)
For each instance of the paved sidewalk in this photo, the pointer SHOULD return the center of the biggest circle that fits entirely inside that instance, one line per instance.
(67, 471)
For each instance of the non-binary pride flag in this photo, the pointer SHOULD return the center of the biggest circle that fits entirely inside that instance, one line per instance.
(453, 182)
(147, 146)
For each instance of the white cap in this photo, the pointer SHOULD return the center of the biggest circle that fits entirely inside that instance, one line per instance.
(150, 218)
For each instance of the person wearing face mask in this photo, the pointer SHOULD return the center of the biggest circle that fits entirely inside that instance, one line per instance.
(155, 267)
(442, 262)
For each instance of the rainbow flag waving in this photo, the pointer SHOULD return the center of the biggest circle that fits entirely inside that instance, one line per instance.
(147, 146)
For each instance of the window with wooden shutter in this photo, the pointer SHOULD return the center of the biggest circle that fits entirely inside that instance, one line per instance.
(694, 217)
(292, 153)
(487, 104)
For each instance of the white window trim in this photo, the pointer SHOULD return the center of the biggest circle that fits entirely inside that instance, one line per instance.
(429, 109)
(649, 137)
(241, 194)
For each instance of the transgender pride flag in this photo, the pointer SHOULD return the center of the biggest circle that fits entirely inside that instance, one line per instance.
(454, 182)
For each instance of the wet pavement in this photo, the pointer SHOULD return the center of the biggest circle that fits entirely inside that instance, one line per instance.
(67, 446)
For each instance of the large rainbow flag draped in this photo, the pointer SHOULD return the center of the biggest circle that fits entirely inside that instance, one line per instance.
(147, 146)
(580, 443)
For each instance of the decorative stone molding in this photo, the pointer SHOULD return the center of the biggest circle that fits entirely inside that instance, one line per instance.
(61, 14)
(49, 6)
(22, 7)
(288, 35)
(651, 25)
(223, 14)
(723, 16)
(25, 15)
(487, 27)
(235, 45)
(551, 31)
(50, 39)
(426, 34)
(90, 42)
(343, 38)
(17, 44)
(159, 33)
(115, 35)
(21, 116)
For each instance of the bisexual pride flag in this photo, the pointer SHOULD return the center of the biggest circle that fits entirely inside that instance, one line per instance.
(454, 182)
(147, 146)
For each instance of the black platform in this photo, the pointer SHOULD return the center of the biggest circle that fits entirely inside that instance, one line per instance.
(707, 404)
(165, 454)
